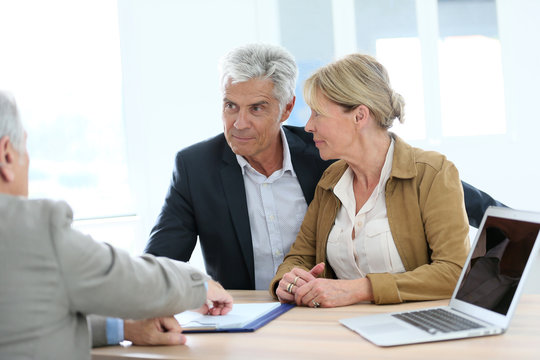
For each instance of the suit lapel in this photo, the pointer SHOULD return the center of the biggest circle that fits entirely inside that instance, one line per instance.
(235, 193)
(302, 164)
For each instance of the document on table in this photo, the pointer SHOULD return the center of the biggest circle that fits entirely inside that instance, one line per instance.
(242, 318)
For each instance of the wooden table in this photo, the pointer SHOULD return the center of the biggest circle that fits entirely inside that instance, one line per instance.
(305, 333)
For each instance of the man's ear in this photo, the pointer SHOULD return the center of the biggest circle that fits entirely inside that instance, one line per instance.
(6, 159)
(287, 110)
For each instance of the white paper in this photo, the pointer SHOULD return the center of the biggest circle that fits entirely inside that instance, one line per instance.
(238, 317)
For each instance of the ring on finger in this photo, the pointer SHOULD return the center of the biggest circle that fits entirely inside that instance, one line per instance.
(289, 288)
(295, 280)
(315, 304)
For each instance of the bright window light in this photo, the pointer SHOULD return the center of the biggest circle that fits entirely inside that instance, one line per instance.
(402, 58)
(472, 92)
(61, 59)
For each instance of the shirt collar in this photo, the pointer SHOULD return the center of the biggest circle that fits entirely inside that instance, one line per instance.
(387, 167)
(345, 183)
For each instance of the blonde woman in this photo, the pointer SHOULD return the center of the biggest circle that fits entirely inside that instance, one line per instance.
(388, 221)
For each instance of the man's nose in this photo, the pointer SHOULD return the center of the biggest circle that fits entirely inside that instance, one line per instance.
(242, 121)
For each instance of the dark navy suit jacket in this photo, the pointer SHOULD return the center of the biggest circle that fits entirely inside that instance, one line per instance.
(207, 199)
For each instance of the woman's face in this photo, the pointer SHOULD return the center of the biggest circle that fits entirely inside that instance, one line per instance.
(334, 131)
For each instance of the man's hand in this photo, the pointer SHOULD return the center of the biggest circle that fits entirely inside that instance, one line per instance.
(156, 331)
(219, 301)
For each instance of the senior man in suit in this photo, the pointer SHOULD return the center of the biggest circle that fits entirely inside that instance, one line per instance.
(244, 193)
(51, 276)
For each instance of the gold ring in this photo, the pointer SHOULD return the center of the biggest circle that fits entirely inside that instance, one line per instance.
(289, 288)
(315, 304)
(295, 280)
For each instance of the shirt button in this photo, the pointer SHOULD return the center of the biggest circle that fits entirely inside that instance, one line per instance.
(272, 217)
(359, 223)
(277, 253)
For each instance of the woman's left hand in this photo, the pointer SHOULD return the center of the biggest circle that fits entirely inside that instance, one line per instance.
(332, 293)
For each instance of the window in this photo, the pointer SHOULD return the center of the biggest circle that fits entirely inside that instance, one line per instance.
(403, 60)
(62, 62)
(470, 67)
(444, 58)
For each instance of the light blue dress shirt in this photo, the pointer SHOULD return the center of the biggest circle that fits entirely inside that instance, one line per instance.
(115, 331)
(276, 207)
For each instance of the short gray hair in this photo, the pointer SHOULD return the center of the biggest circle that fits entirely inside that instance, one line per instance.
(262, 61)
(10, 122)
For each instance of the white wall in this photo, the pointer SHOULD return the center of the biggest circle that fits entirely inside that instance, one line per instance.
(519, 30)
(507, 166)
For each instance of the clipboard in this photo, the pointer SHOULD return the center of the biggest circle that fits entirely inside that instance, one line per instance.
(242, 318)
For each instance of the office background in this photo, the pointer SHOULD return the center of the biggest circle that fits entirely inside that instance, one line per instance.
(110, 90)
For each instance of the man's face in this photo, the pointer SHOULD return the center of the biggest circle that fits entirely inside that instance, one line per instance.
(251, 118)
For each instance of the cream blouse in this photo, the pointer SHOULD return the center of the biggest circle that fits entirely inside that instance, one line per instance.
(373, 249)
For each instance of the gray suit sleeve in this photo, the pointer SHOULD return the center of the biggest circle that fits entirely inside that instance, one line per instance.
(101, 279)
(98, 329)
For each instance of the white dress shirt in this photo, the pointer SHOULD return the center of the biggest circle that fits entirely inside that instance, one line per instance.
(372, 250)
(276, 207)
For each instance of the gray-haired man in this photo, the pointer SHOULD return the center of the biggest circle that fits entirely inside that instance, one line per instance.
(51, 275)
(244, 193)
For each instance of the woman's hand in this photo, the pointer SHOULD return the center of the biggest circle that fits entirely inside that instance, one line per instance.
(294, 279)
(332, 293)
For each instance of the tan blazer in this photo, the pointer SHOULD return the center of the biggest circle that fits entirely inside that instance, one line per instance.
(51, 276)
(427, 218)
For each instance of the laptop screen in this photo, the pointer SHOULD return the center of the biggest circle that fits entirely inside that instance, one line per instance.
(497, 263)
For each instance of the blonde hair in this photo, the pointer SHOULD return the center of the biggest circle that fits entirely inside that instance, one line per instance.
(355, 80)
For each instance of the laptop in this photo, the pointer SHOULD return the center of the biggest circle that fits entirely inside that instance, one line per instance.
(486, 293)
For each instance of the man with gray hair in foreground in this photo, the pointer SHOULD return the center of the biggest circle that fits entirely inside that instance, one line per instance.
(51, 275)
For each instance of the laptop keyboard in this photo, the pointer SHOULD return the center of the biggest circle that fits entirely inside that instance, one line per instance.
(437, 320)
